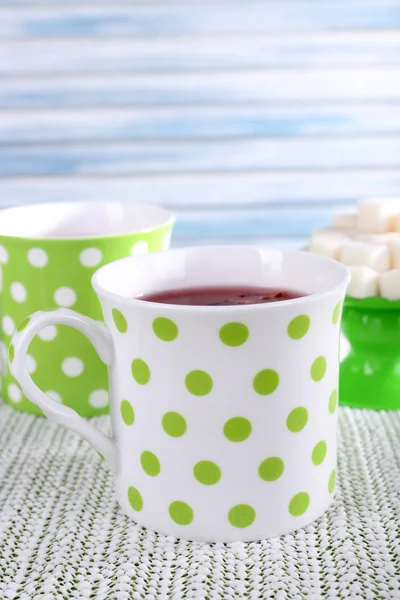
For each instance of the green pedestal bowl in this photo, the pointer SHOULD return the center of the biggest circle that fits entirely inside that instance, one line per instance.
(370, 373)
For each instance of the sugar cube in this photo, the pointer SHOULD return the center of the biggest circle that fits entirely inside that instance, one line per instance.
(328, 241)
(389, 284)
(328, 246)
(375, 256)
(377, 238)
(395, 253)
(331, 232)
(363, 283)
(345, 220)
(377, 215)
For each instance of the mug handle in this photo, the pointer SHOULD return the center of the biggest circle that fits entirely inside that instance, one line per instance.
(99, 336)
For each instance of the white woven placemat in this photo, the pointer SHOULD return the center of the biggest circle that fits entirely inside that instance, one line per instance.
(62, 534)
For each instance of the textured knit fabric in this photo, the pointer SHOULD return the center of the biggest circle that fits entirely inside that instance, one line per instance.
(62, 534)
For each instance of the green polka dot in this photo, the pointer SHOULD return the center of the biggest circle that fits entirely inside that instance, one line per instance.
(332, 481)
(318, 368)
(119, 320)
(297, 419)
(298, 327)
(199, 383)
(319, 453)
(140, 371)
(299, 504)
(266, 382)
(11, 353)
(181, 513)
(127, 413)
(165, 329)
(237, 429)
(24, 324)
(332, 402)
(150, 463)
(241, 515)
(174, 424)
(207, 472)
(135, 498)
(234, 334)
(271, 468)
(336, 313)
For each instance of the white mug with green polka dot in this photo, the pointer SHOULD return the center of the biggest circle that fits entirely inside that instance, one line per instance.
(223, 417)
(48, 254)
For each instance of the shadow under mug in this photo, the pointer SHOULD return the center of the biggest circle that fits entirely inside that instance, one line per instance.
(48, 254)
(223, 417)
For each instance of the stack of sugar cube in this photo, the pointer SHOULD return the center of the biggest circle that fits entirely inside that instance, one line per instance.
(367, 241)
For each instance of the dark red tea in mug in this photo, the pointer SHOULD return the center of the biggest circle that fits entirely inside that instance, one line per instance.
(222, 296)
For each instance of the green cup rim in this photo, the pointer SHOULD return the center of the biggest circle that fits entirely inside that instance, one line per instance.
(165, 219)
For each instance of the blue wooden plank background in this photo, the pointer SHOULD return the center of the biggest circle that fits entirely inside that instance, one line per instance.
(211, 53)
(251, 89)
(253, 121)
(251, 155)
(198, 18)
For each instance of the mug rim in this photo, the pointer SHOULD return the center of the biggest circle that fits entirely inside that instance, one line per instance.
(166, 218)
(103, 292)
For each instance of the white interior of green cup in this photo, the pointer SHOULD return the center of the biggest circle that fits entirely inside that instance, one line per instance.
(81, 219)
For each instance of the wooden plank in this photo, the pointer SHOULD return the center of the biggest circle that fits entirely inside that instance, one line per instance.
(207, 190)
(190, 123)
(254, 51)
(177, 19)
(217, 156)
(61, 3)
(153, 3)
(240, 223)
(269, 241)
(204, 89)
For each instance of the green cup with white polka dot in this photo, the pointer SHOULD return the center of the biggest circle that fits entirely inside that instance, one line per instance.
(224, 417)
(48, 254)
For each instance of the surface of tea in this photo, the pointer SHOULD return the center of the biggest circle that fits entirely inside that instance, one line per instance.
(222, 296)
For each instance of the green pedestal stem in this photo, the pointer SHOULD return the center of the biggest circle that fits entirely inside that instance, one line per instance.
(370, 374)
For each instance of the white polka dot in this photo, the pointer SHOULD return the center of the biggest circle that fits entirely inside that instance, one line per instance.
(3, 254)
(3, 358)
(72, 366)
(90, 257)
(65, 296)
(54, 396)
(98, 399)
(139, 248)
(8, 325)
(30, 364)
(14, 392)
(18, 292)
(48, 333)
(166, 241)
(38, 257)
